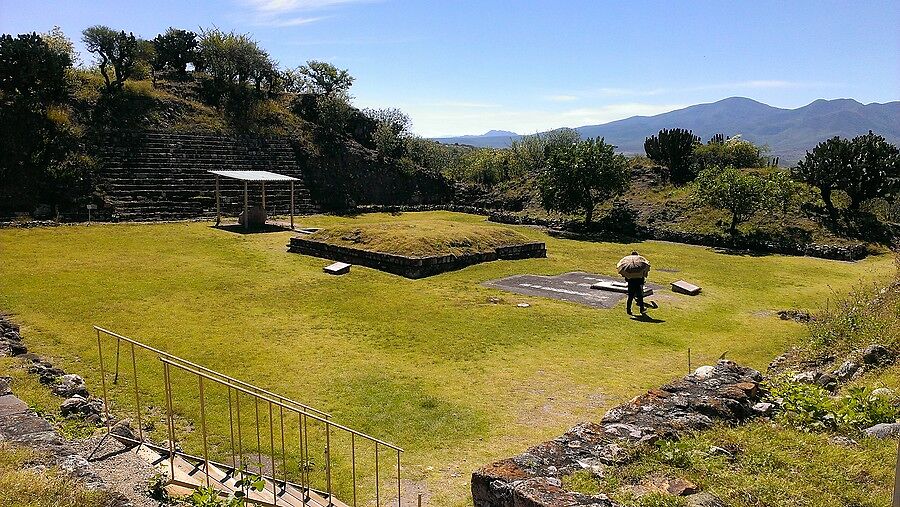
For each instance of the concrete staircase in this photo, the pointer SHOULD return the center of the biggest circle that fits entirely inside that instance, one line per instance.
(191, 474)
(162, 176)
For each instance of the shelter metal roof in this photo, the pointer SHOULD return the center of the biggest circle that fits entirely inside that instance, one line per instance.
(254, 175)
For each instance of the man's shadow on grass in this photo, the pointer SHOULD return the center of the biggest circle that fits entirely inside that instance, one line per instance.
(646, 318)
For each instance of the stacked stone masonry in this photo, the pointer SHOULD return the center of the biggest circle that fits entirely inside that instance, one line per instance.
(724, 392)
(163, 176)
(412, 267)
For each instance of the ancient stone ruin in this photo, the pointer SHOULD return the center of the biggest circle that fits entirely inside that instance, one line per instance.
(725, 392)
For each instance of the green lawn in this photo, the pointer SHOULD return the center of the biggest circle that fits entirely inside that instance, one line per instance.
(432, 365)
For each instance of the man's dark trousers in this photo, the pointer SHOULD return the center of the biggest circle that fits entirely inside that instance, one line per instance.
(635, 291)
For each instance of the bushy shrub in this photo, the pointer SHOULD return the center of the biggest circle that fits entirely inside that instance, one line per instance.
(734, 151)
(867, 315)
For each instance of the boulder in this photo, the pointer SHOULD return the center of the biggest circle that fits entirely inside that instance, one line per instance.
(807, 377)
(846, 371)
(80, 406)
(877, 354)
(69, 385)
(764, 409)
(883, 430)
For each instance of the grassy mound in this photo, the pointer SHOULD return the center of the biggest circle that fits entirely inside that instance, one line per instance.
(423, 238)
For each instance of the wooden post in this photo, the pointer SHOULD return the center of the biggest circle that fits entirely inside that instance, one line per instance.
(292, 205)
(218, 203)
(264, 195)
(246, 213)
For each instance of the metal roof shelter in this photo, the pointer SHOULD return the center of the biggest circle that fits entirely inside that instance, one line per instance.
(256, 177)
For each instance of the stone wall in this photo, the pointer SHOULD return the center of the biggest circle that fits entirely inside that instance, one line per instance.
(724, 392)
(163, 176)
(411, 267)
(560, 228)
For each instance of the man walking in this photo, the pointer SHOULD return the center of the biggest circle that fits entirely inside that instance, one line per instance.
(635, 269)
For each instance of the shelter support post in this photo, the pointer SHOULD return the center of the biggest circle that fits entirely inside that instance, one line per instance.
(218, 203)
(292, 205)
(246, 211)
(264, 195)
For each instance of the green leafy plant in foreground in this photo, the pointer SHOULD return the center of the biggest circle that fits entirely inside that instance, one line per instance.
(810, 407)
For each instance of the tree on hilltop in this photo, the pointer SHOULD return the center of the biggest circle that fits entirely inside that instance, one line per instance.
(873, 171)
(175, 49)
(580, 175)
(116, 49)
(673, 148)
(741, 193)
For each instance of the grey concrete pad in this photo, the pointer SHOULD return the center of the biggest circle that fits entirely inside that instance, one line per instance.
(574, 287)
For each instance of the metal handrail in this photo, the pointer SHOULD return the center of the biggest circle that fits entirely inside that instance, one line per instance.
(279, 404)
(303, 413)
(213, 372)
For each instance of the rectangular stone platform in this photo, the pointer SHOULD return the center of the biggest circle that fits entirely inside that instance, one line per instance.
(338, 268)
(682, 287)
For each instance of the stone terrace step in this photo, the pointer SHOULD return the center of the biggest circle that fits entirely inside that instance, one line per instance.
(163, 176)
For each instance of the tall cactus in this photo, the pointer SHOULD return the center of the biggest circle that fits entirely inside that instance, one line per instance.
(674, 148)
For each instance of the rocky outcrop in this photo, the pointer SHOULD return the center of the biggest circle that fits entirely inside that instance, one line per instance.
(78, 401)
(832, 372)
(725, 392)
(10, 340)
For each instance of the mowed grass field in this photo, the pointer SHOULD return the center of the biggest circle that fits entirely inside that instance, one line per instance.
(433, 365)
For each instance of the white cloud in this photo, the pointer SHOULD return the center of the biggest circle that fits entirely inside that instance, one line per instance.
(284, 13)
(561, 98)
(297, 21)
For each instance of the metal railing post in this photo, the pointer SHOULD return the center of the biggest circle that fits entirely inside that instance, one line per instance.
(398, 478)
(328, 461)
(237, 402)
(103, 382)
(258, 441)
(272, 453)
(137, 396)
(203, 427)
(377, 480)
(170, 422)
(231, 429)
(353, 464)
(116, 377)
(283, 453)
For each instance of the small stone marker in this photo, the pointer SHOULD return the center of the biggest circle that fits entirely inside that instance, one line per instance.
(620, 287)
(338, 268)
(523, 305)
(682, 287)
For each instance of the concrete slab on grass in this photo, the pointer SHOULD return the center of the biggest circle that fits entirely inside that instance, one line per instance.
(574, 287)
(338, 268)
(682, 287)
(620, 287)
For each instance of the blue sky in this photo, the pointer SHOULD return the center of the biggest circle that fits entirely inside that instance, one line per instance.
(464, 67)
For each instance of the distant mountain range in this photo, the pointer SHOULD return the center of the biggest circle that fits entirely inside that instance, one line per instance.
(789, 133)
